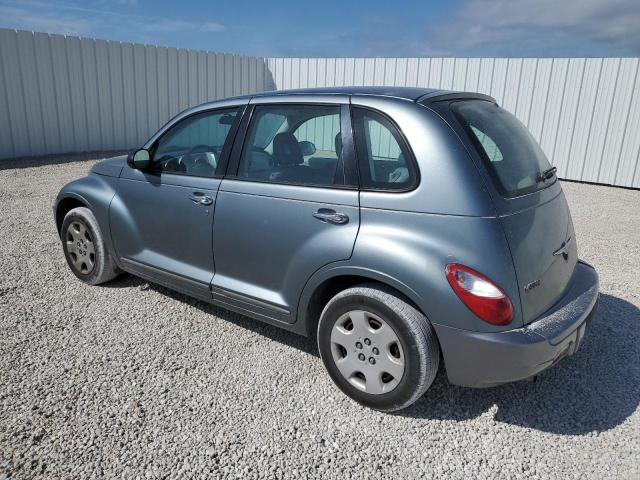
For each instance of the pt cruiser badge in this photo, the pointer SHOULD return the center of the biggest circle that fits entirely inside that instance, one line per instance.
(564, 249)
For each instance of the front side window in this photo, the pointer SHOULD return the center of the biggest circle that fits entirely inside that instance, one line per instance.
(298, 144)
(384, 159)
(194, 145)
(512, 156)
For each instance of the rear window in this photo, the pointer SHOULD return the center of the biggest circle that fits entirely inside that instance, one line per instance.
(514, 159)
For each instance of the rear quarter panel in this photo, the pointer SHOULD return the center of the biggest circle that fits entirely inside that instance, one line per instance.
(416, 248)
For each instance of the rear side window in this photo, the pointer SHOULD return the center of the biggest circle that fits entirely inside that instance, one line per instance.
(384, 159)
(512, 156)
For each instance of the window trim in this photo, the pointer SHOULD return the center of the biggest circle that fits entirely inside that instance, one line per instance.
(242, 134)
(403, 142)
(226, 147)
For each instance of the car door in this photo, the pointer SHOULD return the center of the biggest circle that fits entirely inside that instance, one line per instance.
(162, 217)
(288, 206)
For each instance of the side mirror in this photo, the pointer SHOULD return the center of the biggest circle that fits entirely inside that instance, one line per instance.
(307, 148)
(140, 159)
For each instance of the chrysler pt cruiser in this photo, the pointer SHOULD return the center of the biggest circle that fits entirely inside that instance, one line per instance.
(401, 227)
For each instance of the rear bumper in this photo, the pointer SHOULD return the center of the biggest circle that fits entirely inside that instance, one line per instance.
(475, 359)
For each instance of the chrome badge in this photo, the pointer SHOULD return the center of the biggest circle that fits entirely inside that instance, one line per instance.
(530, 286)
(564, 249)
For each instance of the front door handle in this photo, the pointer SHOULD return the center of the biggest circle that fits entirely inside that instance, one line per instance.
(200, 198)
(331, 216)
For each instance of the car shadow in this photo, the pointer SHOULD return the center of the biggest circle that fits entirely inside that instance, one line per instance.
(594, 390)
(304, 344)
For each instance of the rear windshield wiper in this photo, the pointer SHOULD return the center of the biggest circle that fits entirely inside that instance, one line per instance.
(546, 174)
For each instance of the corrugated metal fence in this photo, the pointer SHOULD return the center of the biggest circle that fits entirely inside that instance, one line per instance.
(585, 112)
(67, 94)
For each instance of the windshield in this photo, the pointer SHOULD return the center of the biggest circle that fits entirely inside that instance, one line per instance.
(513, 157)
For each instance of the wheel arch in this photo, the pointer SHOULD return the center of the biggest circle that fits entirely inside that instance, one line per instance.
(94, 192)
(65, 205)
(327, 283)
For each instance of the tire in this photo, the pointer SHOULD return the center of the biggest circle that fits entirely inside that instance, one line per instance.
(84, 248)
(402, 369)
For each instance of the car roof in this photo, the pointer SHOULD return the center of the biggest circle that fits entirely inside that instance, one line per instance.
(408, 93)
(416, 94)
(413, 94)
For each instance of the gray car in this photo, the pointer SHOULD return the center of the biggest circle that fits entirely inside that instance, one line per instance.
(402, 227)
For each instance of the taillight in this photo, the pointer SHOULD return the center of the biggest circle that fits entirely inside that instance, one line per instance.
(480, 295)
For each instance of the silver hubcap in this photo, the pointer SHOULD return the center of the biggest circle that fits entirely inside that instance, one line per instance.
(367, 352)
(80, 247)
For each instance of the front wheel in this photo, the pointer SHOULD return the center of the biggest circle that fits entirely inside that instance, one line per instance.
(378, 349)
(84, 248)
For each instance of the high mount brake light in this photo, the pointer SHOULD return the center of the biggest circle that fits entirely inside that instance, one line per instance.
(483, 297)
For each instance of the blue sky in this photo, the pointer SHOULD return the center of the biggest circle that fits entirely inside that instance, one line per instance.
(503, 28)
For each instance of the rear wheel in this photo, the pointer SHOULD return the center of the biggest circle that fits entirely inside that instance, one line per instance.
(84, 247)
(377, 348)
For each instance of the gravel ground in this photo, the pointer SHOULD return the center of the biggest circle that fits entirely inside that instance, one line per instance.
(131, 380)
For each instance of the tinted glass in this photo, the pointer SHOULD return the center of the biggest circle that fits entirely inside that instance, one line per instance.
(513, 157)
(299, 144)
(194, 145)
(385, 161)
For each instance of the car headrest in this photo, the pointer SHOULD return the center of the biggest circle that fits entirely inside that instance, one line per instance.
(338, 143)
(286, 150)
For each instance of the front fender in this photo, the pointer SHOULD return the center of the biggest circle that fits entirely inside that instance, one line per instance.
(95, 192)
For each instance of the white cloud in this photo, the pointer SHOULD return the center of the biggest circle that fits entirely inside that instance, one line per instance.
(75, 20)
(163, 25)
(480, 23)
(212, 27)
(44, 22)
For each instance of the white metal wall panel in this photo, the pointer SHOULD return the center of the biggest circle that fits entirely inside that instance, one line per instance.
(151, 87)
(539, 96)
(117, 94)
(554, 106)
(580, 134)
(598, 131)
(14, 94)
(628, 169)
(68, 94)
(32, 101)
(617, 122)
(90, 87)
(47, 91)
(76, 88)
(104, 95)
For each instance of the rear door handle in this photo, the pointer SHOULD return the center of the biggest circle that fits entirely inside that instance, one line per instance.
(200, 198)
(328, 215)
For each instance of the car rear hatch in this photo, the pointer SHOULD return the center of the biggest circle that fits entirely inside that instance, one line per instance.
(529, 202)
(543, 247)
